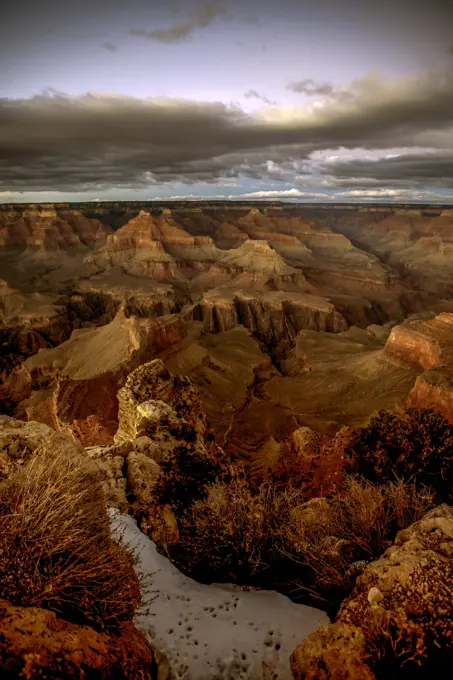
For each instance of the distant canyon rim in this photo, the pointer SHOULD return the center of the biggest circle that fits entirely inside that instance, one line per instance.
(282, 315)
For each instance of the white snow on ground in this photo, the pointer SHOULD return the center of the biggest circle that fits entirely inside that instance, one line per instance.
(212, 632)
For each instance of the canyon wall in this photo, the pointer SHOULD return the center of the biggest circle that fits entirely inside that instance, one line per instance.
(284, 316)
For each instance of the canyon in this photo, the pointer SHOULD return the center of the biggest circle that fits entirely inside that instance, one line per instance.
(210, 365)
(283, 316)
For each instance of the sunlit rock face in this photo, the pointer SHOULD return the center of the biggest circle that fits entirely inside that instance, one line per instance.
(428, 344)
(150, 395)
(156, 248)
(82, 375)
(273, 314)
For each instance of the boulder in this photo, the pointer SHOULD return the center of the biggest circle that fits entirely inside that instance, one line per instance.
(36, 643)
(333, 652)
(19, 440)
(161, 416)
(111, 463)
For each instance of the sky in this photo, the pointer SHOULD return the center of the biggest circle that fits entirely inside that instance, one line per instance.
(299, 100)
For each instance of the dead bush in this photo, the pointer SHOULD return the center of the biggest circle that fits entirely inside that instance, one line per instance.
(55, 546)
(185, 474)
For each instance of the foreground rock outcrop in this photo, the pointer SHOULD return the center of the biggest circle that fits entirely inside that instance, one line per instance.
(399, 616)
(160, 416)
(35, 643)
(151, 382)
(68, 590)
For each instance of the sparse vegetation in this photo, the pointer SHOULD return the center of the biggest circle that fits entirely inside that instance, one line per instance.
(55, 546)
(417, 445)
(272, 537)
(226, 531)
(317, 467)
(354, 527)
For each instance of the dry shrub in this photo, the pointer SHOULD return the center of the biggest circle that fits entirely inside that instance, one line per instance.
(55, 546)
(357, 525)
(240, 534)
(185, 474)
(316, 465)
(227, 529)
(417, 445)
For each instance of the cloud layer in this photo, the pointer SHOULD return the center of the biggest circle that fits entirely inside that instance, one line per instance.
(54, 142)
(201, 17)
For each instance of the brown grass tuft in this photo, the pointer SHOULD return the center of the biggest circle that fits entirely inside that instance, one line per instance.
(55, 545)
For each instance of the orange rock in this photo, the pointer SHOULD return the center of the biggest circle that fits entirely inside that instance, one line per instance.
(35, 643)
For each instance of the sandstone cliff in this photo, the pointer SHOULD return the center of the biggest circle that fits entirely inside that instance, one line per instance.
(73, 386)
(48, 229)
(272, 316)
(185, 271)
(154, 247)
(417, 244)
(428, 344)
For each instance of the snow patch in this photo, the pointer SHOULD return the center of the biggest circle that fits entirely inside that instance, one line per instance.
(213, 631)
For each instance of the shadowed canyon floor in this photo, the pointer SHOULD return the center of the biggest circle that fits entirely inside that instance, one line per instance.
(283, 316)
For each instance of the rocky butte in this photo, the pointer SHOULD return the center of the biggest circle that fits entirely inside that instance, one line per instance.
(224, 360)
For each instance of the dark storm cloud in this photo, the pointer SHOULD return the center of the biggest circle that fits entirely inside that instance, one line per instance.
(201, 17)
(424, 168)
(25, 22)
(57, 142)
